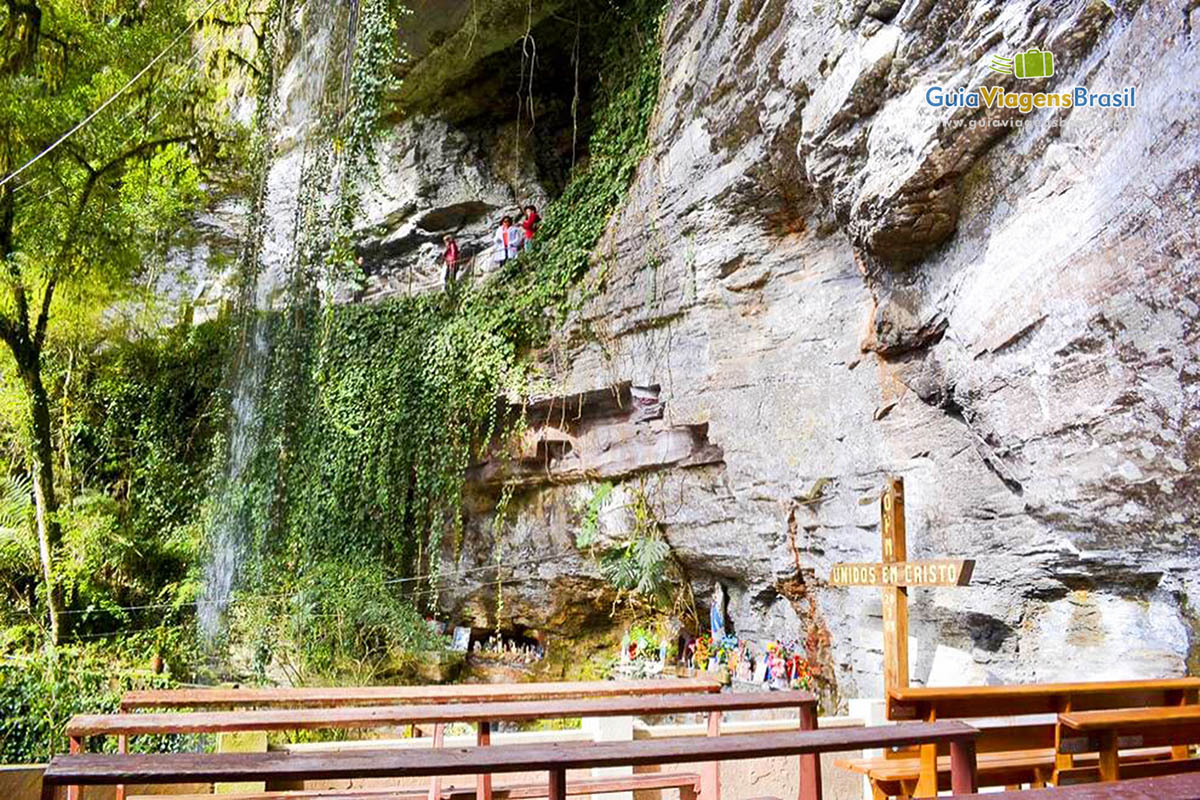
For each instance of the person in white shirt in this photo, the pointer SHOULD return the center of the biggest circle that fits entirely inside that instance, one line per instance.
(507, 241)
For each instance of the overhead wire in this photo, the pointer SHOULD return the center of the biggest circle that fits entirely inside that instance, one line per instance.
(100, 109)
(179, 69)
(242, 598)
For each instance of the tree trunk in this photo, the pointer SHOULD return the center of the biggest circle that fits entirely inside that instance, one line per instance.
(49, 530)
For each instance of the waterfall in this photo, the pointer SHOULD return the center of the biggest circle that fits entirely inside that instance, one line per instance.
(228, 533)
(277, 243)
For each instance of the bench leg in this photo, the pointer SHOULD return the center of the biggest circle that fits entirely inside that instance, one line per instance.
(1179, 751)
(483, 783)
(710, 773)
(122, 748)
(1061, 760)
(439, 737)
(558, 785)
(75, 747)
(1109, 762)
(810, 765)
(963, 777)
(927, 782)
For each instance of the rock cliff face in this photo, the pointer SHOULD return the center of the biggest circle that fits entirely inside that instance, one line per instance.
(819, 279)
(839, 281)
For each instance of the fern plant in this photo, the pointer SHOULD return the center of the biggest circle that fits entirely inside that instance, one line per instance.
(15, 505)
(640, 564)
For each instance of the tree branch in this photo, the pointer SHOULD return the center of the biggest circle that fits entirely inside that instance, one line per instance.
(8, 210)
(68, 244)
(39, 335)
(140, 149)
(9, 334)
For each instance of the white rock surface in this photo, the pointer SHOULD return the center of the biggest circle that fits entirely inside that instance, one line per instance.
(842, 282)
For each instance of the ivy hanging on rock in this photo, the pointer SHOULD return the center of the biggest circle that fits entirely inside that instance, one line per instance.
(372, 413)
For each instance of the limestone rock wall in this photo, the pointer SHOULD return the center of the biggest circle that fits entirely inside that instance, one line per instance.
(838, 281)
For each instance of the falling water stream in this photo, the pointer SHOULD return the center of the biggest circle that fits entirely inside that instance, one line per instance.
(228, 534)
(300, 94)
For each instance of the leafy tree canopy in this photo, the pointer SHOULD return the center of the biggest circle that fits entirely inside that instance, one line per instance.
(109, 115)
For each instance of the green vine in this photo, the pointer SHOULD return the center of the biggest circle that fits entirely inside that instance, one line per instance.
(372, 414)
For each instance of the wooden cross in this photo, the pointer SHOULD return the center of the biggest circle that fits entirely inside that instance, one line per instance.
(894, 574)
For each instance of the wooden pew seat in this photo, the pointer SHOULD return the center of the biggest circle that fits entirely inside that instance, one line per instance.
(555, 759)
(1109, 732)
(333, 696)
(1025, 700)
(481, 714)
(897, 777)
(83, 726)
(688, 784)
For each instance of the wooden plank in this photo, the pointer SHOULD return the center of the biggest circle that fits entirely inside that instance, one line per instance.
(101, 769)
(1130, 718)
(895, 598)
(627, 783)
(710, 773)
(392, 695)
(1012, 700)
(439, 739)
(1175, 787)
(810, 765)
(380, 716)
(483, 783)
(1074, 744)
(1016, 763)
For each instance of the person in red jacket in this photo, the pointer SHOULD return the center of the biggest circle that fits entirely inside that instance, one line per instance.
(449, 260)
(529, 224)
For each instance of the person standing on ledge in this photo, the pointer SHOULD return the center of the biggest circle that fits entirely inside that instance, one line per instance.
(529, 224)
(507, 241)
(449, 260)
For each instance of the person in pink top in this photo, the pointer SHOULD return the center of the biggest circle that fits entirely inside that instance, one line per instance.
(529, 224)
(449, 260)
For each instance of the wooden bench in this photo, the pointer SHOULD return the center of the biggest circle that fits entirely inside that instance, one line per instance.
(328, 697)
(1013, 753)
(555, 759)
(1108, 732)
(482, 715)
(688, 785)
(311, 697)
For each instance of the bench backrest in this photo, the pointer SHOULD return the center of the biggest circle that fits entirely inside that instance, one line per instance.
(959, 702)
(381, 716)
(1007, 738)
(308, 697)
(99, 769)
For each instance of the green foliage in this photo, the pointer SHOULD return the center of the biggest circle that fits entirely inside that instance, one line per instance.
(95, 206)
(638, 564)
(338, 621)
(40, 693)
(648, 640)
(138, 421)
(589, 520)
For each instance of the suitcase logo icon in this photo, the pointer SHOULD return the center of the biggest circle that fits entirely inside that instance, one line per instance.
(1033, 63)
